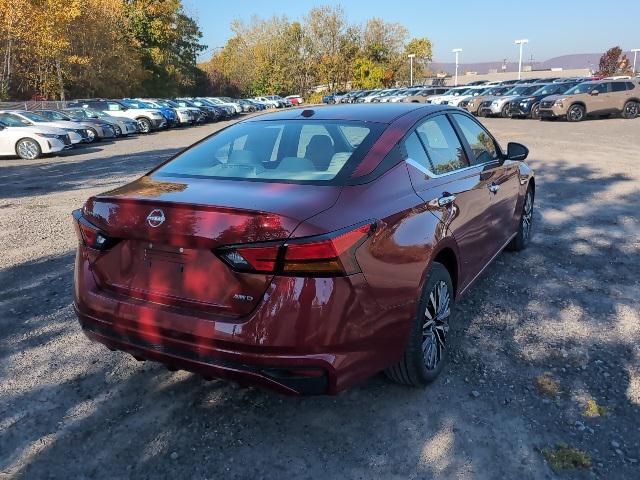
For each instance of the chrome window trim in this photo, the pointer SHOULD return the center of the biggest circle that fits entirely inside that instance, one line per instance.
(428, 172)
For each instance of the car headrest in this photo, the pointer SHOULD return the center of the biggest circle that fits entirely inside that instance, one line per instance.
(296, 164)
(320, 150)
(241, 157)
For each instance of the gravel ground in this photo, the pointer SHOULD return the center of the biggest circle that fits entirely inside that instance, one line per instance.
(546, 345)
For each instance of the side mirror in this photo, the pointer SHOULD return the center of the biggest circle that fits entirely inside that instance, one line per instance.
(517, 151)
(595, 93)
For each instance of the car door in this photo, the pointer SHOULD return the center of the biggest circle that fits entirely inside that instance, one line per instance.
(600, 103)
(618, 95)
(504, 183)
(455, 191)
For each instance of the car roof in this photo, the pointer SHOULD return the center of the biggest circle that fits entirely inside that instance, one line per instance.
(380, 113)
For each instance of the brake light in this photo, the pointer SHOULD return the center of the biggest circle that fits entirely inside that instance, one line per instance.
(90, 235)
(332, 254)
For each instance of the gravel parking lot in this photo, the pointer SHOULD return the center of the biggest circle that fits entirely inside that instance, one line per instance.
(547, 346)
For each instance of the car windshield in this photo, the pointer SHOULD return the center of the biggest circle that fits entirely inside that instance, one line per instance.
(169, 103)
(136, 104)
(77, 116)
(283, 150)
(51, 115)
(581, 88)
(453, 92)
(520, 90)
(549, 90)
(11, 120)
(34, 117)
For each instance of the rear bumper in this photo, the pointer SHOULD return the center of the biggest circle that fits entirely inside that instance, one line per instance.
(306, 336)
(285, 374)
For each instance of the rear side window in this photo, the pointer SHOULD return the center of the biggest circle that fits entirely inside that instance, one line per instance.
(618, 87)
(286, 150)
(441, 142)
(630, 86)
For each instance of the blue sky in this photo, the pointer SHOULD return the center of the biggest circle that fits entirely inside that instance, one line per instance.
(485, 30)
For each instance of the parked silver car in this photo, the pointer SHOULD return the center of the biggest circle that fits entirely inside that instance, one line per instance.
(122, 126)
(97, 129)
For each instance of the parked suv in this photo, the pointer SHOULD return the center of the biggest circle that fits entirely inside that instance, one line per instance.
(425, 94)
(148, 118)
(472, 105)
(594, 98)
(528, 106)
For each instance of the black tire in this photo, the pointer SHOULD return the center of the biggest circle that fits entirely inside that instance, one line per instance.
(28, 149)
(535, 111)
(480, 113)
(631, 109)
(95, 137)
(413, 368)
(504, 113)
(523, 237)
(117, 130)
(576, 113)
(145, 125)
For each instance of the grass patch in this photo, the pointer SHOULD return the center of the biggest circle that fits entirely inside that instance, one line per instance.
(563, 457)
(547, 385)
(592, 409)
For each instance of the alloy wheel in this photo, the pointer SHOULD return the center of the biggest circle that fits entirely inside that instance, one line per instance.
(631, 110)
(576, 113)
(92, 135)
(436, 325)
(28, 149)
(117, 130)
(527, 216)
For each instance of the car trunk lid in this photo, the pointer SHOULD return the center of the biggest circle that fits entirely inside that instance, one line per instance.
(169, 229)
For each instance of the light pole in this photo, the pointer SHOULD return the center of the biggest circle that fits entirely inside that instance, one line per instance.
(456, 51)
(635, 54)
(521, 43)
(411, 57)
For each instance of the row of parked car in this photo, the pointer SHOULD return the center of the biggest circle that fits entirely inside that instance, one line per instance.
(573, 98)
(30, 133)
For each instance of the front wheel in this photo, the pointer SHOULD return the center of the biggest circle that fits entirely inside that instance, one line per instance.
(576, 113)
(522, 238)
(504, 113)
(145, 125)
(428, 346)
(631, 109)
(92, 135)
(535, 111)
(117, 130)
(28, 149)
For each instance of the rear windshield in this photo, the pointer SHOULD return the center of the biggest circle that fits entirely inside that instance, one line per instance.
(285, 150)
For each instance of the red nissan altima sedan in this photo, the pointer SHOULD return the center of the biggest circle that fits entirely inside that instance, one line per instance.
(304, 250)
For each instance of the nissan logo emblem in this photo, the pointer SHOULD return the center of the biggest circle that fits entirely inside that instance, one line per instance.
(156, 218)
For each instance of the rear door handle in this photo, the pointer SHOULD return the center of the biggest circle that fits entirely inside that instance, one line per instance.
(493, 188)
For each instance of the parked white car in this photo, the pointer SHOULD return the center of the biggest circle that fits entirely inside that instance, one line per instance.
(77, 133)
(269, 103)
(448, 95)
(148, 118)
(466, 95)
(97, 129)
(29, 142)
(225, 102)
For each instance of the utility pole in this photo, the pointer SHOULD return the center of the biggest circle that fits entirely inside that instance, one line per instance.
(411, 57)
(456, 51)
(521, 43)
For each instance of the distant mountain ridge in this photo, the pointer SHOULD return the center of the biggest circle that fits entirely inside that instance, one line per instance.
(566, 62)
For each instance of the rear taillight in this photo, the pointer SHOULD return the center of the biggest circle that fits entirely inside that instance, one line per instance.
(91, 235)
(327, 255)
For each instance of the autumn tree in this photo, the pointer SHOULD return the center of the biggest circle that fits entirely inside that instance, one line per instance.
(614, 62)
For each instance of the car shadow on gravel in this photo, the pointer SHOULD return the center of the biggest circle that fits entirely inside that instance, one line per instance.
(567, 306)
(43, 178)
